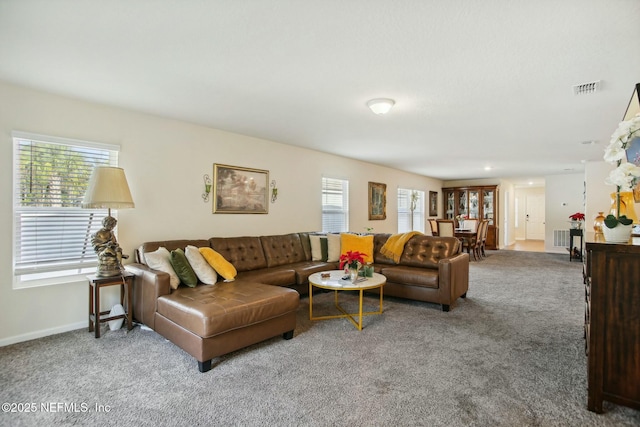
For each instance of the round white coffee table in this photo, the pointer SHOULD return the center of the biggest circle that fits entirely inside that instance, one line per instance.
(334, 282)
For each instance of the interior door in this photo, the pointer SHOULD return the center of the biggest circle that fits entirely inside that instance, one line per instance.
(534, 217)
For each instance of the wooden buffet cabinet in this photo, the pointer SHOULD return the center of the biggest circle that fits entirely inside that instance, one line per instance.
(477, 202)
(612, 323)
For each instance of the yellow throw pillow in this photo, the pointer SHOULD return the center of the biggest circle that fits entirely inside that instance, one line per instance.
(219, 264)
(362, 244)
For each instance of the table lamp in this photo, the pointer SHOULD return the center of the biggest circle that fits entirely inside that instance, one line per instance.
(107, 188)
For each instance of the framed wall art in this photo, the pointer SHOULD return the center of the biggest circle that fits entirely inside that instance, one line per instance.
(377, 201)
(433, 203)
(240, 190)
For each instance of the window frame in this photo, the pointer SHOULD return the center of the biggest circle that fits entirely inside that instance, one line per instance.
(404, 212)
(343, 206)
(38, 270)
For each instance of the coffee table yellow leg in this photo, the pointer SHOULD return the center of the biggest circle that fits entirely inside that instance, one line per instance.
(350, 316)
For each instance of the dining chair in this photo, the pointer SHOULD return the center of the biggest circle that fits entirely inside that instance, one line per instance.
(446, 227)
(434, 227)
(472, 244)
(485, 227)
(471, 224)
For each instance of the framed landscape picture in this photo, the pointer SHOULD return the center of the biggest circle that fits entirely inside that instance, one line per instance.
(433, 203)
(240, 190)
(377, 201)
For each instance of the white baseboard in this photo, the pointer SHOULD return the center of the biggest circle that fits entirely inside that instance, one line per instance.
(42, 333)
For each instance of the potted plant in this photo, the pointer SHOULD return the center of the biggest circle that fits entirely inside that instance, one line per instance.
(353, 260)
(617, 227)
(576, 220)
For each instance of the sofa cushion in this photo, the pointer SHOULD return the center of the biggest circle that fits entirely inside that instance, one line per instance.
(427, 251)
(282, 249)
(206, 274)
(212, 310)
(219, 264)
(379, 240)
(306, 245)
(171, 245)
(245, 253)
(412, 276)
(282, 275)
(183, 269)
(160, 260)
(356, 243)
(305, 269)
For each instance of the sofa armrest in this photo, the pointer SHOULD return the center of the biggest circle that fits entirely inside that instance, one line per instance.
(148, 286)
(454, 276)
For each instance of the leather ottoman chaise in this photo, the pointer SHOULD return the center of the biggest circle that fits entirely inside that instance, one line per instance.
(209, 321)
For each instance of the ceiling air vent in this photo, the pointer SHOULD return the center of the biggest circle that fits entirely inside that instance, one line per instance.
(586, 88)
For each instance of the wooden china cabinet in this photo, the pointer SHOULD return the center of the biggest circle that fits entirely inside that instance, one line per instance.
(476, 203)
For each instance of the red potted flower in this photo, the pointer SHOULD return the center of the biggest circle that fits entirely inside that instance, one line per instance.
(352, 259)
(576, 220)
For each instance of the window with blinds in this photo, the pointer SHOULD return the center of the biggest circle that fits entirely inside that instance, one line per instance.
(335, 205)
(410, 210)
(52, 233)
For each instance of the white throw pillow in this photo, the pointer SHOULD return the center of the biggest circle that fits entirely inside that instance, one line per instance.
(160, 260)
(316, 249)
(203, 269)
(333, 243)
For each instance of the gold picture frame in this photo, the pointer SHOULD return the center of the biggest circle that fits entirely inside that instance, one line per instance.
(240, 190)
(433, 203)
(632, 151)
(377, 201)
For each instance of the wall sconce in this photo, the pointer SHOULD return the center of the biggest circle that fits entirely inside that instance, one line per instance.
(207, 188)
(274, 191)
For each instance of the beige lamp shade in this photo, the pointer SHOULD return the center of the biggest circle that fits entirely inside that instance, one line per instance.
(107, 188)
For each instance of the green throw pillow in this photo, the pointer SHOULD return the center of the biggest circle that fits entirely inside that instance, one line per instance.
(324, 249)
(183, 268)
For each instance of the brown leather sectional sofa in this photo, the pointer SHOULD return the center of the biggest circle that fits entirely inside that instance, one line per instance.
(208, 321)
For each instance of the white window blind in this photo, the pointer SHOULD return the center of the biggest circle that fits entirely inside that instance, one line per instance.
(52, 232)
(335, 205)
(405, 223)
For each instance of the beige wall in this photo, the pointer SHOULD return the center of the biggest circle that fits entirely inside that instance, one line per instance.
(164, 161)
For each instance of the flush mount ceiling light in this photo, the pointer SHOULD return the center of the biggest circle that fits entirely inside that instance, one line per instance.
(380, 105)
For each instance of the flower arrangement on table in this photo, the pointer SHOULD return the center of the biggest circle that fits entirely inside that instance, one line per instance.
(578, 216)
(352, 259)
(625, 175)
(577, 219)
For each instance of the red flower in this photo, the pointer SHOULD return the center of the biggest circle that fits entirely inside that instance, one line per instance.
(352, 258)
(577, 216)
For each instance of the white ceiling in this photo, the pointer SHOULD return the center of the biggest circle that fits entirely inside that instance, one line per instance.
(476, 83)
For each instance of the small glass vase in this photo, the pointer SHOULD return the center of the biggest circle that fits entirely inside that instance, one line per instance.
(353, 274)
